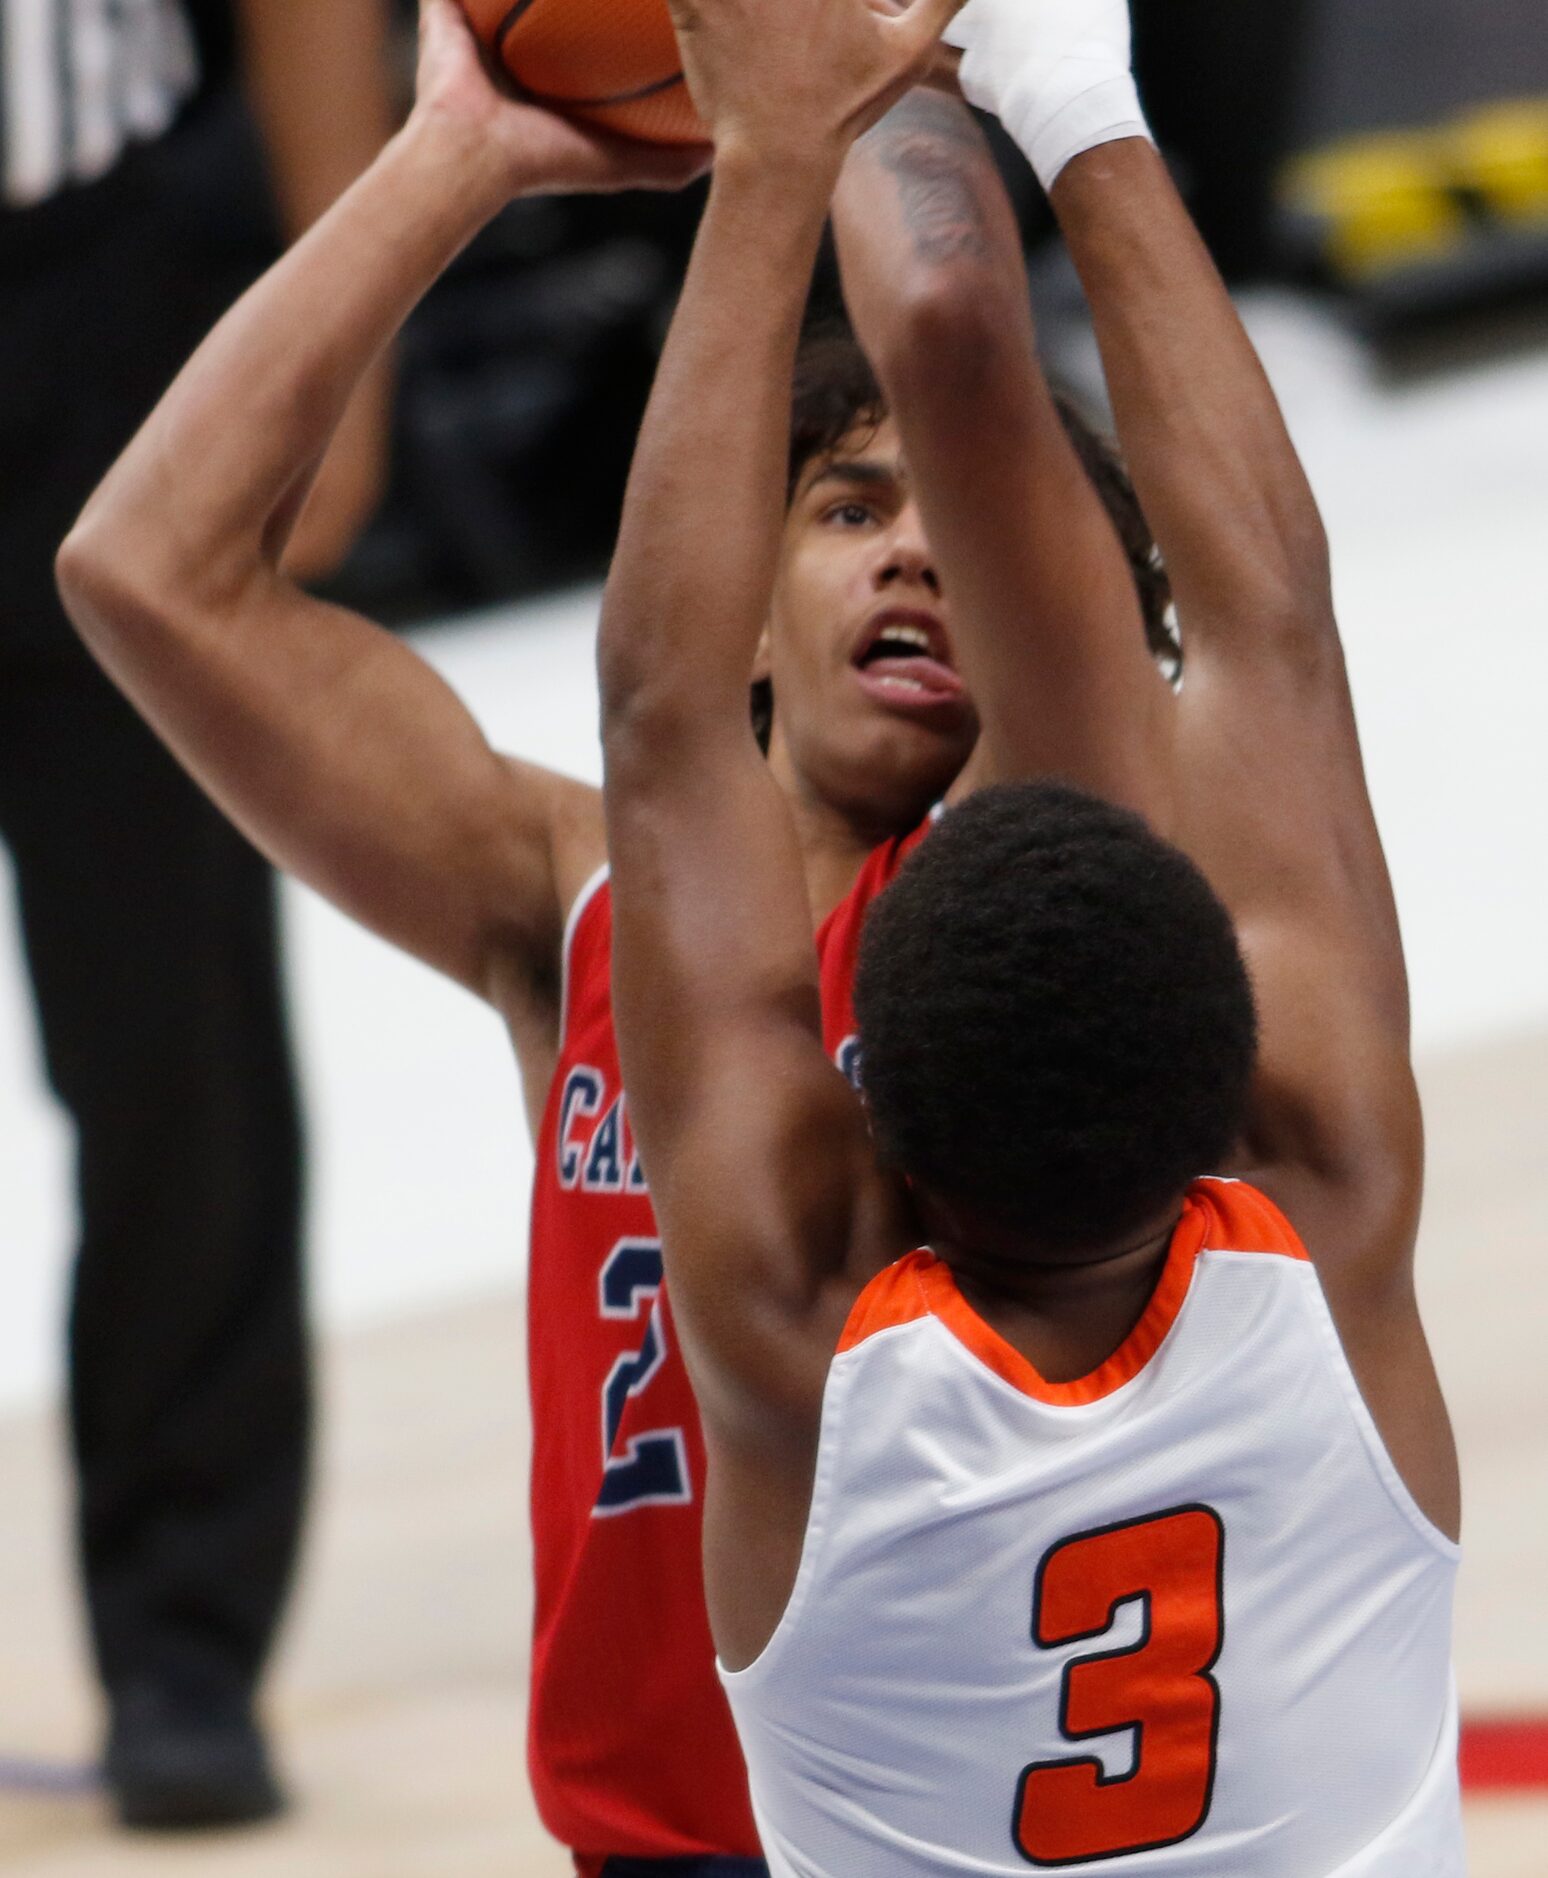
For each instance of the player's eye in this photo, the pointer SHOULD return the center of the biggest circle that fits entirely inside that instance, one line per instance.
(850, 515)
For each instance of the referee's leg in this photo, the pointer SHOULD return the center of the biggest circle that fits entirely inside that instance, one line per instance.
(149, 929)
(150, 936)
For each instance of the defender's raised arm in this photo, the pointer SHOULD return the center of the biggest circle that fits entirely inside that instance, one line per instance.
(753, 1143)
(691, 806)
(1268, 781)
(1046, 608)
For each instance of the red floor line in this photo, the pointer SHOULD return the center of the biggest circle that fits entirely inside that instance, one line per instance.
(1505, 1754)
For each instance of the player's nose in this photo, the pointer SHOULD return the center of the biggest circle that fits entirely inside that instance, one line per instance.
(906, 558)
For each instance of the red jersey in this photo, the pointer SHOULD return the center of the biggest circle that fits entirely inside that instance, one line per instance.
(631, 1746)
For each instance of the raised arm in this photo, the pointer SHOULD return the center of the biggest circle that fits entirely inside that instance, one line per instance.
(336, 749)
(1269, 785)
(1269, 788)
(751, 1140)
(1045, 614)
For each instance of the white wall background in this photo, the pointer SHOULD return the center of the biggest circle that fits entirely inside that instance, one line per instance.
(1437, 500)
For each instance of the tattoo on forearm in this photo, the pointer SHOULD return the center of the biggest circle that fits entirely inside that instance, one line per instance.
(940, 160)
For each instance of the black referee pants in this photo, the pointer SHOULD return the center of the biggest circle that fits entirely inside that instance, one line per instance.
(149, 928)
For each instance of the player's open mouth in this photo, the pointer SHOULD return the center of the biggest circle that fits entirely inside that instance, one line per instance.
(905, 661)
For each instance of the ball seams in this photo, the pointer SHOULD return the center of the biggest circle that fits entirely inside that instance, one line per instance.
(653, 90)
(509, 24)
(638, 96)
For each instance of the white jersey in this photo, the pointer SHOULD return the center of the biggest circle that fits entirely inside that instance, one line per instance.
(1179, 1619)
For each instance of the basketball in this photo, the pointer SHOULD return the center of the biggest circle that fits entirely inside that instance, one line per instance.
(614, 63)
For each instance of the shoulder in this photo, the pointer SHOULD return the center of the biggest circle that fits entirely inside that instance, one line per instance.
(1360, 1224)
(1233, 1215)
(803, 1222)
(1347, 1167)
(553, 843)
(562, 818)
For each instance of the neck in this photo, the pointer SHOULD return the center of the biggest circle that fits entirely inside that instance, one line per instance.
(996, 1274)
(835, 842)
(1065, 1318)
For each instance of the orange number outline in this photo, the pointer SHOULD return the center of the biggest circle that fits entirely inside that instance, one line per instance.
(1202, 1674)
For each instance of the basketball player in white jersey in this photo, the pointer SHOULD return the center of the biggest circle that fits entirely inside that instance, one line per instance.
(1116, 1530)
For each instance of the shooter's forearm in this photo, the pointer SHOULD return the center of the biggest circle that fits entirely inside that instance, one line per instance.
(1202, 430)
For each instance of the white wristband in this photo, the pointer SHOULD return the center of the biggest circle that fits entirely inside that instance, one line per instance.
(1108, 112)
(1055, 72)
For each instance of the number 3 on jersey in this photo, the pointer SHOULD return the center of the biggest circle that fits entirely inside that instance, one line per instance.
(1070, 1811)
(653, 1468)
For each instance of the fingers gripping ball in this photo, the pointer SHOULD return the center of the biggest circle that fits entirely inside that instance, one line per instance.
(614, 63)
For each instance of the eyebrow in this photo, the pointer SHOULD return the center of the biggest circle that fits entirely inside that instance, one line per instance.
(858, 474)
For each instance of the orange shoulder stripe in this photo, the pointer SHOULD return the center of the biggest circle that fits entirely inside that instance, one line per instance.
(1238, 1218)
(893, 1297)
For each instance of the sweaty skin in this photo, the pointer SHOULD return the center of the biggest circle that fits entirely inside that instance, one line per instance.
(773, 1209)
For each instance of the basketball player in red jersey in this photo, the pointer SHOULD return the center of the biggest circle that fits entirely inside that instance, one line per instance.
(1116, 1396)
(350, 763)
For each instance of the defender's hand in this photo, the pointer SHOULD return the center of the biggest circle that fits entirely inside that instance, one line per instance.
(543, 153)
(802, 80)
(1057, 73)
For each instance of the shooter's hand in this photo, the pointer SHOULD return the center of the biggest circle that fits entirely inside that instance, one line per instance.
(801, 81)
(1057, 73)
(543, 152)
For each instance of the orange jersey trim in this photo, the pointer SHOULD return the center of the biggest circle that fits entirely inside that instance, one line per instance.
(1218, 1215)
(1243, 1219)
(893, 1297)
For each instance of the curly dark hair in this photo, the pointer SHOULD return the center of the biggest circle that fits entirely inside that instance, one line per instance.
(1057, 1031)
(837, 394)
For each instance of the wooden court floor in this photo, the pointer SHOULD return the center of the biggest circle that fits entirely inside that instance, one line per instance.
(399, 1697)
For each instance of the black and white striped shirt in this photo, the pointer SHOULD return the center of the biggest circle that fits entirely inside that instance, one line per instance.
(80, 80)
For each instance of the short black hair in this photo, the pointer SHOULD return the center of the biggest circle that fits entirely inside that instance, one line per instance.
(1057, 1032)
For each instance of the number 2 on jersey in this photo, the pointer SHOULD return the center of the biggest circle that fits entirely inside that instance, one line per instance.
(653, 1469)
(1070, 1811)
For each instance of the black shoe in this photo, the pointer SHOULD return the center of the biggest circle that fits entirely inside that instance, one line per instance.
(174, 1764)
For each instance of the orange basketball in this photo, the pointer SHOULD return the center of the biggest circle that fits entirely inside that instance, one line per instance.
(613, 62)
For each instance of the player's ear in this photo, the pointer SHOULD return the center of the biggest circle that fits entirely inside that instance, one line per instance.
(763, 662)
